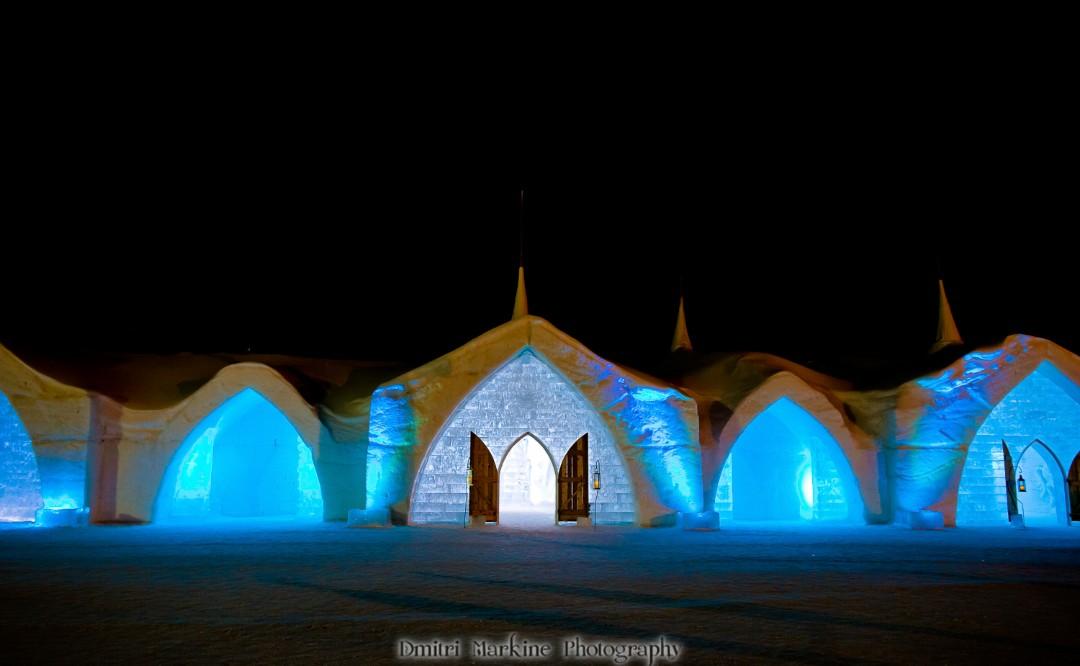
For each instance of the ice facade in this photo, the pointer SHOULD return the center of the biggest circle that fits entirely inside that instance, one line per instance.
(524, 396)
(20, 484)
(932, 449)
(1039, 420)
(785, 466)
(244, 460)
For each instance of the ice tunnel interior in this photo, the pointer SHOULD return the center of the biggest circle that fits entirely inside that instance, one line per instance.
(244, 460)
(1039, 421)
(20, 484)
(785, 466)
(527, 486)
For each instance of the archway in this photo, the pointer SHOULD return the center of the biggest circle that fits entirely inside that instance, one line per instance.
(527, 486)
(1041, 408)
(785, 466)
(244, 460)
(1043, 502)
(20, 482)
(526, 395)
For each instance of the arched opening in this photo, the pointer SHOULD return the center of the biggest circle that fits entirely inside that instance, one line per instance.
(526, 395)
(785, 466)
(1043, 500)
(244, 460)
(1042, 409)
(527, 486)
(20, 483)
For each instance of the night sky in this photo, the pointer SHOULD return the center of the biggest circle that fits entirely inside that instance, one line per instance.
(818, 245)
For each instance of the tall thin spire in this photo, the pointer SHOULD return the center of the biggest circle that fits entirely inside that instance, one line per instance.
(521, 300)
(947, 332)
(681, 339)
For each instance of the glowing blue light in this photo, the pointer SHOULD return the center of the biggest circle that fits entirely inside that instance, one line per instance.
(391, 421)
(63, 481)
(677, 474)
(387, 475)
(647, 394)
(806, 485)
(310, 500)
(391, 437)
(789, 468)
(669, 454)
(193, 479)
(1044, 407)
(62, 502)
(243, 460)
(976, 366)
(20, 484)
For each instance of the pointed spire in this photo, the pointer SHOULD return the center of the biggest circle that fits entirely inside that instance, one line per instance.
(947, 332)
(521, 301)
(681, 339)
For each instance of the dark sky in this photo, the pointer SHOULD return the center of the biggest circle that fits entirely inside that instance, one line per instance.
(400, 241)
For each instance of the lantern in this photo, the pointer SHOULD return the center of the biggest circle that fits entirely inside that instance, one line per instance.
(468, 475)
(596, 478)
(1020, 485)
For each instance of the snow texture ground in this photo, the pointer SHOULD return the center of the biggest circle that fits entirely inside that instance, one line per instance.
(325, 593)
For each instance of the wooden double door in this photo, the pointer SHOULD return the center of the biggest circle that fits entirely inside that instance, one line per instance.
(572, 488)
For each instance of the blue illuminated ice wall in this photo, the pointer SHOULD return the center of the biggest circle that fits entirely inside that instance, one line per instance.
(391, 436)
(1042, 407)
(940, 415)
(668, 453)
(243, 460)
(20, 485)
(785, 466)
(649, 427)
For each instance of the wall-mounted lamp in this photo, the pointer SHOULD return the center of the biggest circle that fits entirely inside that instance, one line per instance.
(596, 477)
(1020, 485)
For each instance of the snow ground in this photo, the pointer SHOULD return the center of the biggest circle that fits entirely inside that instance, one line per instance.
(324, 593)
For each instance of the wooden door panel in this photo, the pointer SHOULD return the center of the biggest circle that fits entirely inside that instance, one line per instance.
(484, 492)
(574, 481)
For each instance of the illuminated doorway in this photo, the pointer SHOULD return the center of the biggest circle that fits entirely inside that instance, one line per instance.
(786, 467)
(244, 460)
(527, 485)
(1044, 502)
